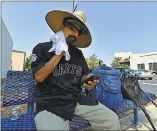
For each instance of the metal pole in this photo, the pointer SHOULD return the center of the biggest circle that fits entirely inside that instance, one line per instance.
(73, 5)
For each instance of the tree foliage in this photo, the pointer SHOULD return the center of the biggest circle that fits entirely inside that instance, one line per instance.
(92, 61)
(27, 65)
(115, 63)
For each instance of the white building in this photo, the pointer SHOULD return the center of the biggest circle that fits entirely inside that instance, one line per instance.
(6, 48)
(17, 60)
(146, 61)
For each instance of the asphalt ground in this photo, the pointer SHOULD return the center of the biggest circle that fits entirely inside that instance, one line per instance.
(149, 85)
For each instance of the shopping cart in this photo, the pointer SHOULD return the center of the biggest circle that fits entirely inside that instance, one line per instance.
(131, 90)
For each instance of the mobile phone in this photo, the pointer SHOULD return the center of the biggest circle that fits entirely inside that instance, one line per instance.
(91, 78)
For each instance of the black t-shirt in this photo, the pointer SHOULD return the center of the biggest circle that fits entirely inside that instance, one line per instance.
(60, 91)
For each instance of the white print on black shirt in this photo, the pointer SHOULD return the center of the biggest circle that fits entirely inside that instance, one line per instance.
(34, 57)
(62, 69)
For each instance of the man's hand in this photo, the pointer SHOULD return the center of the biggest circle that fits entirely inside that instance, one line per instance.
(90, 84)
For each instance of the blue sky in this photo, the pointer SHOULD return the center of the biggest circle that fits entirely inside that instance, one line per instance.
(115, 26)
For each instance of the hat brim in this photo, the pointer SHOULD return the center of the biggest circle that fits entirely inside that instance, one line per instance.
(55, 21)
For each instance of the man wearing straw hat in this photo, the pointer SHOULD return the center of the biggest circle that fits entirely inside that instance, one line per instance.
(58, 67)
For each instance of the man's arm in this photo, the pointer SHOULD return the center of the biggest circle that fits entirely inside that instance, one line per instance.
(86, 74)
(41, 68)
(84, 77)
(48, 68)
(85, 69)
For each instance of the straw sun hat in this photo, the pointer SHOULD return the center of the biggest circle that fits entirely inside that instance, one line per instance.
(55, 20)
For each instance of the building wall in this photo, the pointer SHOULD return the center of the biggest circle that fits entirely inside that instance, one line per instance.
(142, 59)
(6, 46)
(135, 59)
(17, 60)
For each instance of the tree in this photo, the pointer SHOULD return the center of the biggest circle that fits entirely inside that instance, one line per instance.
(27, 65)
(92, 61)
(115, 63)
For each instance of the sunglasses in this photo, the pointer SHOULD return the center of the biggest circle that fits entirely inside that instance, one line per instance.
(74, 28)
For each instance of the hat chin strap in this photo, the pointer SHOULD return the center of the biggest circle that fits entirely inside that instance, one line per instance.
(70, 39)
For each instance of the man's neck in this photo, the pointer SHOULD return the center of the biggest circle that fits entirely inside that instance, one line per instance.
(71, 47)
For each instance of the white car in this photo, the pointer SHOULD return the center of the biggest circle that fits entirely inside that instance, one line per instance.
(144, 74)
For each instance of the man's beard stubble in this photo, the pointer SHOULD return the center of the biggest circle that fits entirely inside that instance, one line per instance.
(70, 39)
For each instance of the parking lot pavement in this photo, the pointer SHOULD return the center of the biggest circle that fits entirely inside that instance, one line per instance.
(149, 86)
(155, 77)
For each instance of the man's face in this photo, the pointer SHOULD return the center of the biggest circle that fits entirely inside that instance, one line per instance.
(72, 31)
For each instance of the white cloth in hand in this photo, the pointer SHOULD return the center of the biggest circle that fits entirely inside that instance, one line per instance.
(59, 45)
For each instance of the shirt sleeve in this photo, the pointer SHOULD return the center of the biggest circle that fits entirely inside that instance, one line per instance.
(38, 58)
(85, 68)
